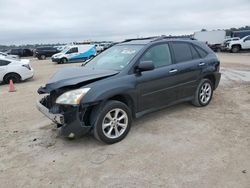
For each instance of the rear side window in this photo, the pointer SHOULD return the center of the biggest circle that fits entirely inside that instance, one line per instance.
(195, 54)
(182, 52)
(159, 54)
(4, 62)
(202, 52)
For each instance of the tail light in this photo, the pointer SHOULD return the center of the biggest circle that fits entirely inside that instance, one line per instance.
(27, 66)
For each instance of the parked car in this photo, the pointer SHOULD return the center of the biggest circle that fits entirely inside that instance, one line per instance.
(213, 39)
(238, 45)
(21, 52)
(75, 53)
(10, 56)
(44, 52)
(15, 69)
(227, 41)
(127, 81)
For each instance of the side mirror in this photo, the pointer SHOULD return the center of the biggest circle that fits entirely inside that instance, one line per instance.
(145, 66)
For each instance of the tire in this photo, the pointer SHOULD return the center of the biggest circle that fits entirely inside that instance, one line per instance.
(107, 126)
(203, 93)
(63, 60)
(43, 57)
(235, 49)
(16, 78)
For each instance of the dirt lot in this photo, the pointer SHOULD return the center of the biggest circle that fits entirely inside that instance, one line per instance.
(182, 146)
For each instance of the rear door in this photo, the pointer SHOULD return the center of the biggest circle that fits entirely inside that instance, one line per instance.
(189, 65)
(157, 88)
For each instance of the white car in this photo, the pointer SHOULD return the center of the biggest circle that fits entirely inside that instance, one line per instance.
(2, 54)
(242, 44)
(15, 69)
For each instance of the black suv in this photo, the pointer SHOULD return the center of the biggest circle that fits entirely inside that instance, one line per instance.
(43, 52)
(21, 52)
(126, 81)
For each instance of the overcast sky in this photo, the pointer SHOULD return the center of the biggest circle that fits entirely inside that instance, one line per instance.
(42, 21)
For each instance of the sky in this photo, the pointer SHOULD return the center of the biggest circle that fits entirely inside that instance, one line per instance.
(52, 21)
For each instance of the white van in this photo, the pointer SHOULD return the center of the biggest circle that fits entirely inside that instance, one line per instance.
(75, 53)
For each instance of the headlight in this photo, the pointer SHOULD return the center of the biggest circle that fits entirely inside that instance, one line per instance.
(72, 97)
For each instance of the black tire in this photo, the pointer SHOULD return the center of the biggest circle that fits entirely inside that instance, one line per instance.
(43, 57)
(98, 117)
(16, 78)
(63, 60)
(235, 49)
(199, 93)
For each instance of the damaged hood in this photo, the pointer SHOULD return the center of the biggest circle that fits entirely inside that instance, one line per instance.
(74, 75)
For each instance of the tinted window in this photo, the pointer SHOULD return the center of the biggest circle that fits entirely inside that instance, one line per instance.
(248, 38)
(160, 55)
(4, 62)
(182, 52)
(202, 52)
(195, 54)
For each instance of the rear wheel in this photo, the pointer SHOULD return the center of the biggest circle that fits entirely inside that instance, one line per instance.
(12, 76)
(112, 122)
(203, 94)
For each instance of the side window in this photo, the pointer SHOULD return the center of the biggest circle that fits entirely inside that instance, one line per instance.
(247, 39)
(159, 54)
(4, 63)
(73, 50)
(195, 54)
(202, 52)
(182, 52)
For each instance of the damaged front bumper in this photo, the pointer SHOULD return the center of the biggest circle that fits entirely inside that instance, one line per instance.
(70, 119)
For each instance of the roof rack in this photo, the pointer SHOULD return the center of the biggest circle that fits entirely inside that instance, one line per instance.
(174, 37)
(145, 38)
(157, 38)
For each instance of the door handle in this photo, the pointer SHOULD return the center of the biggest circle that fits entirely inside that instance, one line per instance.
(173, 70)
(201, 64)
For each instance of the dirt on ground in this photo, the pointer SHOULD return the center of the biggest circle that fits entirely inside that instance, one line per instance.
(182, 146)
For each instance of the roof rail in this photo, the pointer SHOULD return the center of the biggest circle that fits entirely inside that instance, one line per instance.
(145, 38)
(174, 37)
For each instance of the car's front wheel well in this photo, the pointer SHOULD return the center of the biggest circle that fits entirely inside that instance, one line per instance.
(237, 45)
(211, 78)
(126, 100)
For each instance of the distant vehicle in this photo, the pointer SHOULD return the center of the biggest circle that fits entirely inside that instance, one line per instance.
(213, 39)
(227, 41)
(238, 45)
(241, 34)
(75, 53)
(10, 56)
(43, 52)
(99, 48)
(15, 69)
(21, 52)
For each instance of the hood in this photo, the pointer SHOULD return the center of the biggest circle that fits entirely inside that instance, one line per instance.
(58, 54)
(72, 76)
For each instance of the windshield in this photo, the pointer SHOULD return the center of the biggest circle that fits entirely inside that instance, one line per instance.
(66, 49)
(114, 58)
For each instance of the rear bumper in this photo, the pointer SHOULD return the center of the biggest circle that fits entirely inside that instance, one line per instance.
(217, 79)
(68, 122)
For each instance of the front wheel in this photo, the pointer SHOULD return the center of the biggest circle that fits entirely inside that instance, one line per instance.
(235, 49)
(63, 60)
(112, 122)
(203, 94)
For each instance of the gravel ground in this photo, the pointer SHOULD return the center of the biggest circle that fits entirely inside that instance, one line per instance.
(182, 146)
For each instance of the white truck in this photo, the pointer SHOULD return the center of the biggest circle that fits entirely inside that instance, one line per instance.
(241, 44)
(213, 39)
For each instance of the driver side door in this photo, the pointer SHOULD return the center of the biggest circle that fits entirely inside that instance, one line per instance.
(246, 43)
(157, 88)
